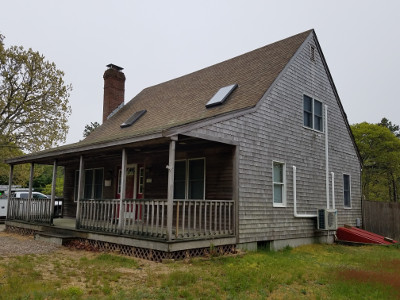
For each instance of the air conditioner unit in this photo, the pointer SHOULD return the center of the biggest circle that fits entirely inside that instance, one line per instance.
(326, 219)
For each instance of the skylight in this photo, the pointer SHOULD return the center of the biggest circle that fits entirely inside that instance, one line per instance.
(221, 95)
(132, 119)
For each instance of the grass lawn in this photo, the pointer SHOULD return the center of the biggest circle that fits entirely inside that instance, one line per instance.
(307, 272)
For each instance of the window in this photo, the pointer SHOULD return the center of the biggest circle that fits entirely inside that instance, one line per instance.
(346, 191)
(196, 179)
(141, 180)
(312, 113)
(93, 184)
(189, 179)
(279, 180)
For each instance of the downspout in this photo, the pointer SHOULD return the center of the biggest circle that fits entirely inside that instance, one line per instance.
(326, 157)
(333, 190)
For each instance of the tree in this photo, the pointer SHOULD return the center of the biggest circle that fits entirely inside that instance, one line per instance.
(34, 104)
(380, 151)
(395, 129)
(89, 128)
(21, 172)
(59, 183)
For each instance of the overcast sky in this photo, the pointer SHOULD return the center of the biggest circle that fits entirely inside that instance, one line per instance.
(155, 41)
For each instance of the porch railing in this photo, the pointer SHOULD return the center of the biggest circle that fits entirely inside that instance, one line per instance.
(143, 217)
(30, 210)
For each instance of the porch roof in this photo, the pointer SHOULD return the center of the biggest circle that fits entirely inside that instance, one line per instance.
(182, 101)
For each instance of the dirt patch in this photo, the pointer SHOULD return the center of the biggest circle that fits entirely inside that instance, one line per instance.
(381, 277)
(13, 244)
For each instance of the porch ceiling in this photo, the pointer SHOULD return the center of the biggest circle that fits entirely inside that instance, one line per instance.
(185, 143)
(69, 156)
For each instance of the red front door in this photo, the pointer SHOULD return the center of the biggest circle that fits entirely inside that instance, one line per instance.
(134, 188)
(131, 186)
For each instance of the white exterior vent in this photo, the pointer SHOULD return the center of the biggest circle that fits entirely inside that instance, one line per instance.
(326, 219)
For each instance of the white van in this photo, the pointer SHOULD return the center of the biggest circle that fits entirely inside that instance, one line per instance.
(24, 195)
(3, 208)
(37, 195)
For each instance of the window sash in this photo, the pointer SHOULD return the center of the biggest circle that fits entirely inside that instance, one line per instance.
(317, 115)
(141, 180)
(180, 179)
(196, 179)
(278, 184)
(307, 107)
(346, 191)
(189, 179)
(312, 113)
(278, 193)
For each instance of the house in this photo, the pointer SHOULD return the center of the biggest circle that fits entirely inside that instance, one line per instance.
(255, 150)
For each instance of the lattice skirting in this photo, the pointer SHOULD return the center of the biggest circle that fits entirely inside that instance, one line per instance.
(144, 253)
(20, 230)
(149, 254)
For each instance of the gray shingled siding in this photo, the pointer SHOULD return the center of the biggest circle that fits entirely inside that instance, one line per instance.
(275, 132)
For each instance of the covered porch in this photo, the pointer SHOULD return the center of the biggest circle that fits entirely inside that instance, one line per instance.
(163, 190)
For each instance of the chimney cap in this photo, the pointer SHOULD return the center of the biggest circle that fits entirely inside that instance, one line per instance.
(112, 66)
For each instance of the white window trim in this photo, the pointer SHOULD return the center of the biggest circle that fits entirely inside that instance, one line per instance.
(283, 204)
(312, 115)
(142, 179)
(187, 177)
(351, 202)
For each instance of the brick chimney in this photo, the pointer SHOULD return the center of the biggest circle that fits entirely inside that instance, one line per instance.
(114, 90)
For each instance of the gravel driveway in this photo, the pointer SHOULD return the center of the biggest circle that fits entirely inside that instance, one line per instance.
(14, 244)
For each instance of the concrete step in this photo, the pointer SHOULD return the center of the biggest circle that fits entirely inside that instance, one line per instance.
(54, 238)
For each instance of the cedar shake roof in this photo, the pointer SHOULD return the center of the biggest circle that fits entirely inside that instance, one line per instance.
(183, 100)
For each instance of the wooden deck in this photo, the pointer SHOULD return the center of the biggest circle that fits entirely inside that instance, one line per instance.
(137, 218)
(66, 226)
(137, 227)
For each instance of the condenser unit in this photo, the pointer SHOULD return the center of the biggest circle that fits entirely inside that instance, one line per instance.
(326, 219)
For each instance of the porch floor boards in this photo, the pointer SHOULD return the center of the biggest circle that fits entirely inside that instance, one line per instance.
(68, 223)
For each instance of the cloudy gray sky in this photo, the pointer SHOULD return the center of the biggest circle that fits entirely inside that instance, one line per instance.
(155, 41)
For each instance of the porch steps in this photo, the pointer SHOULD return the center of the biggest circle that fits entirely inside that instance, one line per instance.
(54, 238)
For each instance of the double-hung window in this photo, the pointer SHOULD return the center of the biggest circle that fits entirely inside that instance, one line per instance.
(189, 179)
(312, 113)
(279, 184)
(346, 191)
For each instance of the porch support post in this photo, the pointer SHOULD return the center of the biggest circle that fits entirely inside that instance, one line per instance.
(28, 212)
(10, 179)
(123, 190)
(53, 192)
(236, 192)
(171, 174)
(80, 191)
